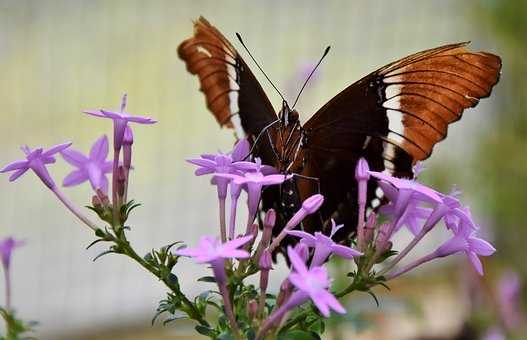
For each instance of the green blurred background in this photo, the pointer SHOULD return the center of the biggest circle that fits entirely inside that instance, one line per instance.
(59, 57)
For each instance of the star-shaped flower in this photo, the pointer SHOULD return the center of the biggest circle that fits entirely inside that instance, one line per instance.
(400, 191)
(120, 121)
(254, 182)
(93, 167)
(211, 250)
(312, 283)
(324, 246)
(36, 160)
(465, 240)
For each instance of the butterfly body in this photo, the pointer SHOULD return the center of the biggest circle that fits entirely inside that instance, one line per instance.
(392, 117)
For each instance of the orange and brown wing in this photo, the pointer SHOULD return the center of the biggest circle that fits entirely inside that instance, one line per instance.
(393, 117)
(228, 84)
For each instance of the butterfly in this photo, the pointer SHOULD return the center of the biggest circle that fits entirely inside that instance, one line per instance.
(392, 117)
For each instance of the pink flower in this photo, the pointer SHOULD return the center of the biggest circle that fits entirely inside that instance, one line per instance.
(312, 284)
(464, 240)
(120, 121)
(324, 246)
(36, 160)
(92, 167)
(211, 250)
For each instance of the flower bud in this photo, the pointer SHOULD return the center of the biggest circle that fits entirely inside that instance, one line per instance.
(121, 181)
(96, 202)
(252, 309)
(362, 170)
(383, 237)
(266, 262)
(286, 288)
(270, 219)
(312, 203)
(309, 206)
(128, 136)
(105, 201)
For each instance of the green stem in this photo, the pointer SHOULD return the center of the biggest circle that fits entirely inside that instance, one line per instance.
(190, 309)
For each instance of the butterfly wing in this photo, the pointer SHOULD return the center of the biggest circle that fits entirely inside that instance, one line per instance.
(229, 86)
(393, 117)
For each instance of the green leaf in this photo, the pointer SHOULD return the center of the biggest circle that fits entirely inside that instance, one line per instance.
(298, 335)
(207, 279)
(205, 331)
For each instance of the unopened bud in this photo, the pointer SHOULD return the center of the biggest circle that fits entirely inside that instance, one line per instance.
(362, 170)
(286, 288)
(96, 202)
(252, 309)
(270, 219)
(266, 261)
(121, 181)
(105, 201)
(369, 228)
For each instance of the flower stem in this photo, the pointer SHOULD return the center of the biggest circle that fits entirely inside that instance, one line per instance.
(190, 309)
(412, 265)
(115, 196)
(232, 218)
(73, 208)
(223, 227)
(404, 252)
(228, 310)
(7, 289)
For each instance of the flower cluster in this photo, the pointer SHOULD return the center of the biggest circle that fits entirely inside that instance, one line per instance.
(306, 295)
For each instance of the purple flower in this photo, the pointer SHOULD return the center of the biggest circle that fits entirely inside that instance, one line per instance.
(400, 191)
(92, 167)
(324, 246)
(254, 182)
(412, 216)
(222, 164)
(509, 297)
(211, 250)
(120, 121)
(362, 176)
(464, 240)
(36, 160)
(7, 245)
(312, 284)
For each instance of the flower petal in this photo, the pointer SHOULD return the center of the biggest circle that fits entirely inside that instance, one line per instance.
(17, 174)
(16, 165)
(320, 301)
(74, 178)
(476, 262)
(55, 149)
(306, 237)
(202, 162)
(241, 150)
(99, 149)
(74, 157)
(235, 253)
(237, 242)
(332, 302)
(297, 263)
(96, 113)
(481, 247)
(345, 252)
(141, 120)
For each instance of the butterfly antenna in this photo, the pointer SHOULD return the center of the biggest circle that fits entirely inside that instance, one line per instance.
(309, 77)
(246, 49)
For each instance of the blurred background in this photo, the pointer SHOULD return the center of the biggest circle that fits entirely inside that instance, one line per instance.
(59, 57)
